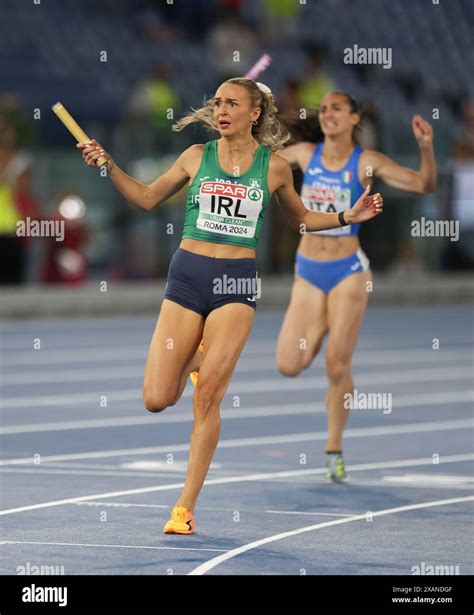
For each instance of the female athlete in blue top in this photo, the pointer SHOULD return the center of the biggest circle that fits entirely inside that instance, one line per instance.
(329, 294)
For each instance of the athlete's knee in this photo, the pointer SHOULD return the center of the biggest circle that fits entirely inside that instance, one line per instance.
(288, 368)
(157, 399)
(292, 365)
(287, 362)
(337, 367)
(209, 391)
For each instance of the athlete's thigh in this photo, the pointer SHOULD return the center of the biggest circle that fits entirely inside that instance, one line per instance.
(347, 303)
(176, 337)
(304, 325)
(226, 331)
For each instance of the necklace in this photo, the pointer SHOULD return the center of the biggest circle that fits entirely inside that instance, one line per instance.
(242, 144)
(235, 158)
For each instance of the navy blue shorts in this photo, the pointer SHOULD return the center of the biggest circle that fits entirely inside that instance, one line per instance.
(202, 283)
(327, 274)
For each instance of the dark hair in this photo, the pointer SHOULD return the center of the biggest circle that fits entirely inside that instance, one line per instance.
(353, 104)
(309, 129)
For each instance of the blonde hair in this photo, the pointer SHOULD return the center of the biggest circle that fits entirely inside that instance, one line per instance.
(267, 130)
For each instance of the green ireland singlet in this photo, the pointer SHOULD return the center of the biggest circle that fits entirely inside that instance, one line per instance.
(223, 208)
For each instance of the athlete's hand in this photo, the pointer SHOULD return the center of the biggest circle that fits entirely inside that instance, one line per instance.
(422, 130)
(366, 208)
(92, 151)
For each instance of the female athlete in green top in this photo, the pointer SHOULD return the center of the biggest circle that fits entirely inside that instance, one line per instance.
(231, 182)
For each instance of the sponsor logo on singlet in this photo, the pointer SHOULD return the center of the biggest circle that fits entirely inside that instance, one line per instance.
(329, 199)
(228, 208)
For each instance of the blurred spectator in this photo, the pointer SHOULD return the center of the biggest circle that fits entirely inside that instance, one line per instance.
(280, 22)
(16, 203)
(65, 261)
(156, 20)
(316, 83)
(166, 22)
(463, 148)
(233, 47)
(11, 108)
(148, 126)
(460, 254)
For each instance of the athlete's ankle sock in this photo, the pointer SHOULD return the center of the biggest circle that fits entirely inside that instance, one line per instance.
(333, 452)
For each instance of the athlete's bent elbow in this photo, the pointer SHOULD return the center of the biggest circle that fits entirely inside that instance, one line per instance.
(428, 188)
(147, 201)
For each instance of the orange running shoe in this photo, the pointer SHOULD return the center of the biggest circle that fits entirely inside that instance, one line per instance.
(194, 375)
(181, 522)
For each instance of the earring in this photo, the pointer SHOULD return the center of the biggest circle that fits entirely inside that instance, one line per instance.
(254, 122)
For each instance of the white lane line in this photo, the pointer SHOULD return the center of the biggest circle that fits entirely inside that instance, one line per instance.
(90, 339)
(80, 544)
(246, 365)
(297, 512)
(387, 483)
(80, 472)
(98, 354)
(356, 432)
(202, 508)
(21, 346)
(428, 479)
(209, 565)
(156, 465)
(250, 386)
(383, 483)
(87, 340)
(181, 416)
(126, 505)
(401, 463)
(36, 358)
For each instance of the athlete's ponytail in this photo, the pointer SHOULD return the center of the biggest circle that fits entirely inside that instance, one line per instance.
(305, 128)
(267, 129)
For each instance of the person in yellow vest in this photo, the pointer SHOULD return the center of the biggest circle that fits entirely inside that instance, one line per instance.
(12, 252)
(152, 109)
(316, 83)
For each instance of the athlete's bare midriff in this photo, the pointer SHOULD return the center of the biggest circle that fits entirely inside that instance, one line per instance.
(326, 248)
(215, 250)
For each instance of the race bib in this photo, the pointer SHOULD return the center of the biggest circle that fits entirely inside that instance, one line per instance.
(328, 200)
(229, 209)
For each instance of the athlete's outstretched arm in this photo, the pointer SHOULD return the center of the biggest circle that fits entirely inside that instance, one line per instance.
(142, 195)
(296, 155)
(403, 178)
(302, 220)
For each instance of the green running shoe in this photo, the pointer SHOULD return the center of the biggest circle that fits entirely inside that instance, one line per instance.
(335, 469)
